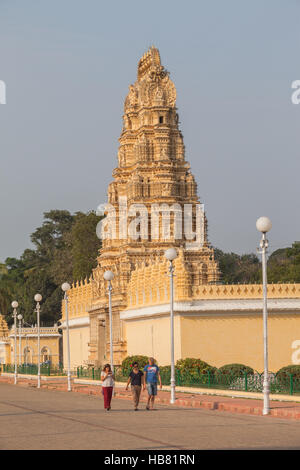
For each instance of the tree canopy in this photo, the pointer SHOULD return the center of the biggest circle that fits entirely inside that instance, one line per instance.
(284, 264)
(65, 249)
(243, 269)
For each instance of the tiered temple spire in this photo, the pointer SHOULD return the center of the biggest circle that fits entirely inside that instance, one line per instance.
(151, 171)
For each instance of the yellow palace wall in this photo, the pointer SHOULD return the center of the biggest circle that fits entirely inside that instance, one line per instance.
(151, 337)
(49, 345)
(79, 302)
(218, 340)
(239, 339)
(5, 356)
(220, 324)
(26, 344)
(79, 349)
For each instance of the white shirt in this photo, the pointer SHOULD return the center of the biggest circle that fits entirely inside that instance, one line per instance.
(108, 382)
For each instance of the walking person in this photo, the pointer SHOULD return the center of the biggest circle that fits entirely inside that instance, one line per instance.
(108, 382)
(151, 375)
(137, 381)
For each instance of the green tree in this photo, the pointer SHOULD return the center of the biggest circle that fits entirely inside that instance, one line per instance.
(65, 249)
(32, 272)
(10, 279)
(284, 264)
(85, 244)
(3, 270)
(244, 269)
(4, 293)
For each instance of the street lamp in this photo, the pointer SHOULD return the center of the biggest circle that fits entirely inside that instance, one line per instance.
(15, 305)
(20, 350)
(171, 254)
(108, 276)
(38, 299)
(263, 225)
(65, 287)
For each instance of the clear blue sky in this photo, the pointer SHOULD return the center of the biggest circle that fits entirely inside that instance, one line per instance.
(67, 65)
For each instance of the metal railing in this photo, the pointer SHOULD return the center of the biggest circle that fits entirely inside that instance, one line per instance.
(32, 369)
(94, 373)
(247, 382)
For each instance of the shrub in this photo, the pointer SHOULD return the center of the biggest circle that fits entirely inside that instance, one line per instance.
(129, 360)
(285, 372)
(194, 366)
(235, 370)
(165, 373)
(165, 370)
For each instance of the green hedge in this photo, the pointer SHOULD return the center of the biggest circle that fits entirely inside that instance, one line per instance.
(194, 365)
(129, 360)
(285, 372)
(165, 373)
(235, 370)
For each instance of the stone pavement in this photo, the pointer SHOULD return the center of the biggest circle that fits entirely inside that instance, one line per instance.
(287, 410)
(53, 420)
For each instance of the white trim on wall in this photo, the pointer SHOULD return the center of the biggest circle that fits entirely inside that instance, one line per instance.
(76, 322)
(216, 308)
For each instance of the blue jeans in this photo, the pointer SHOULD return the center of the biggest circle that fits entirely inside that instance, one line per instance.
(152, 388)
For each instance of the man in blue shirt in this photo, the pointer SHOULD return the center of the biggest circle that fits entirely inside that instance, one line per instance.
(151, 375)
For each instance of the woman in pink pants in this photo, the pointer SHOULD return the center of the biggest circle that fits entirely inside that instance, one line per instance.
(108, 382)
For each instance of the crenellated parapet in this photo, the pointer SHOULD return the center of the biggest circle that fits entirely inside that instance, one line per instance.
(79, 299)
(246, 291)
(150, 284)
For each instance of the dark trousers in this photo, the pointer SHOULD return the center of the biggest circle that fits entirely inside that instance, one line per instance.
(136, 392)
(107, 394)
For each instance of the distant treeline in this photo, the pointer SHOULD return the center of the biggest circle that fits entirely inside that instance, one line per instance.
(66, 248)
(283, 266)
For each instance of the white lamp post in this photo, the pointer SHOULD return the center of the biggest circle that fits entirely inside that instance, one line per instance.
(65, 287)
(108, 276)
(20, 341)
(171, 254)
(15, 305)
(263, 225)
(38, 299)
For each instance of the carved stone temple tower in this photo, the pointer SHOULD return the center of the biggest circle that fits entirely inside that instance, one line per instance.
(151, 171)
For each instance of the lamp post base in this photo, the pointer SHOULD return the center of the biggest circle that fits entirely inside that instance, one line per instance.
(69, 383)
(266, 392)
(172, 398)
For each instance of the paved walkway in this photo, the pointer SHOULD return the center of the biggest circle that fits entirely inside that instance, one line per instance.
(287, 410)
(54, 420)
